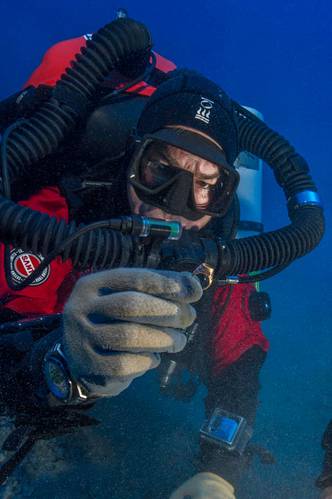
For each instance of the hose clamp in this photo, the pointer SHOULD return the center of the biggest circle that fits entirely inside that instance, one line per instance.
(304, 198)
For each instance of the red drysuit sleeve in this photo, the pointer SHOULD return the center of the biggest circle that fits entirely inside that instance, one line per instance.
(235, 331)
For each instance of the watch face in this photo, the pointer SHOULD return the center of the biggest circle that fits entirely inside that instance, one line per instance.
(57, 379)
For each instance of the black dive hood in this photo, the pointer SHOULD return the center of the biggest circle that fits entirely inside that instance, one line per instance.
(124, 43)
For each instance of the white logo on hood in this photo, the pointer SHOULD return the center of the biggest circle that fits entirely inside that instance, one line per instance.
(204, 110)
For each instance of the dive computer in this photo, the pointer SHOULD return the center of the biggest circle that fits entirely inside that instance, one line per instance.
(59, 380)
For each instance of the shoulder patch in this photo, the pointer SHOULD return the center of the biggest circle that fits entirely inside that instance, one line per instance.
(23, 263)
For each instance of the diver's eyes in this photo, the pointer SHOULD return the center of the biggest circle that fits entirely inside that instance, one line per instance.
(205, 193)
(204, 185)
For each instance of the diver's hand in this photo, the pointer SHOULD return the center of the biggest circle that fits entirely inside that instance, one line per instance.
(205, 486)
(117, 321)
(326, 493)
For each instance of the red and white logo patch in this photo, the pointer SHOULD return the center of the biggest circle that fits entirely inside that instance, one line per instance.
(23, 263)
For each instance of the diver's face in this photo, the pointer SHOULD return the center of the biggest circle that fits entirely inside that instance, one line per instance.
(205, 177)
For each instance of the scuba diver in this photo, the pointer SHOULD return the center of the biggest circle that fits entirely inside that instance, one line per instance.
(114, 160)
(324, 481)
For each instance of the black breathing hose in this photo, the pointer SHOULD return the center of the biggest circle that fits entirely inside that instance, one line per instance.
(120, 44)
(95, 247)
(123, 44)
(278, 248)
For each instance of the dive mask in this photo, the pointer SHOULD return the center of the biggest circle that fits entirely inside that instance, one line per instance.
(161, 184)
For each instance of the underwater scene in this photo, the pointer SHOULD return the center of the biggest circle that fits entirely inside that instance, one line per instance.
(165, 250)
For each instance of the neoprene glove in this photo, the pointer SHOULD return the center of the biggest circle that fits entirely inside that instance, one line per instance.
(205, 486)
(326, 493)
(117, 321)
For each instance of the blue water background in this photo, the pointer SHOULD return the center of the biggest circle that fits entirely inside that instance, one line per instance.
(276, 57)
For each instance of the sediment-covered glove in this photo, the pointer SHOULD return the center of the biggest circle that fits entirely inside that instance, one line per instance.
(117, 321)
(326, 493)
(205, 486)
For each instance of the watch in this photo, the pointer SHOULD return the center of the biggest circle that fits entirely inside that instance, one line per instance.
(59, 380)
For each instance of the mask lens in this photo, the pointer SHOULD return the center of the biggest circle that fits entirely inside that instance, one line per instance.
(205, 193)
(205, 190)
(154, 174)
